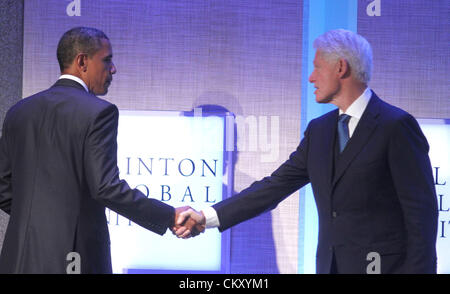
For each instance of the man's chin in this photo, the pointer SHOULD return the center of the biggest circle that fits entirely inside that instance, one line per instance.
(323, 100)
(101, 93)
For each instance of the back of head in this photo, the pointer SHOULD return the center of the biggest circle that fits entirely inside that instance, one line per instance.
(78, 40)
(350, 46)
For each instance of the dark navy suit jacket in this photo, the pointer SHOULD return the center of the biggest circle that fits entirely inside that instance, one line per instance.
(378, 195)
(58, 172)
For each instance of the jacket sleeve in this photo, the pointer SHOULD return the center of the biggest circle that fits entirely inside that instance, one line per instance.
(102, 176)
(5, 173)
(266, 194)
(413, 180)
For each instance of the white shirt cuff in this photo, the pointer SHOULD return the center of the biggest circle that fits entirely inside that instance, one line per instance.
(212, 220)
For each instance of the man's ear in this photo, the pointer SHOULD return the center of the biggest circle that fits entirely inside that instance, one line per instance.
(343, 68)
(81, 61)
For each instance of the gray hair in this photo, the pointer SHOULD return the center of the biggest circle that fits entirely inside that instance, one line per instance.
(350, 46)
(78, 40)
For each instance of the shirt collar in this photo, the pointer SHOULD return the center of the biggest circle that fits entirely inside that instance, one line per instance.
(76, 79)
(356, 109)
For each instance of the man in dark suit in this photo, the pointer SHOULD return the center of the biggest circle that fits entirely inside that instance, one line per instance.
(369, 169)
(58, 171)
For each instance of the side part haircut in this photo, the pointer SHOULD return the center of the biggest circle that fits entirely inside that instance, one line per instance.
(78, 40)
(350, 46)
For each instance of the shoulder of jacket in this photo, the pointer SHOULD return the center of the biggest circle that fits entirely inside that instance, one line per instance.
(393, 114)
(328, 117)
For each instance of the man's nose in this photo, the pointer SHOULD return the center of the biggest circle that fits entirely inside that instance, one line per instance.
(310, 79)
(113, 69)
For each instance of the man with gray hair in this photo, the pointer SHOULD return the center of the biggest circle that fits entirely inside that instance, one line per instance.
(58, 168)
(368, 165)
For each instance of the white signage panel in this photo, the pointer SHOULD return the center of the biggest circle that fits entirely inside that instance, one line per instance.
(437, 132)
(179, 160)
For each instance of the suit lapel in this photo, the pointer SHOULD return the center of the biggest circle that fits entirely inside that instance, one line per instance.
(364, 130)
(328, 137)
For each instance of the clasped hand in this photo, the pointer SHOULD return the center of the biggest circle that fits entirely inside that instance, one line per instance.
(188, 222)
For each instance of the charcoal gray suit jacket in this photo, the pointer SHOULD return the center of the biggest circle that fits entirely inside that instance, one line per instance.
(58, 172)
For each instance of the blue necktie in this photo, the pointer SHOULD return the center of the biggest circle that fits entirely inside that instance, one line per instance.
(343, 130)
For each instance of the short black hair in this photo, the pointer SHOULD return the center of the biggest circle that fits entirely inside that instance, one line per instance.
(78, 40)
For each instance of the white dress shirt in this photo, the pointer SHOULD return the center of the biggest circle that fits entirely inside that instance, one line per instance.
(355, 110)
(212, 220)
(76, 79)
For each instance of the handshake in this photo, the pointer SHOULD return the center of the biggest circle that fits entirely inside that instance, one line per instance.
(188, 222)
